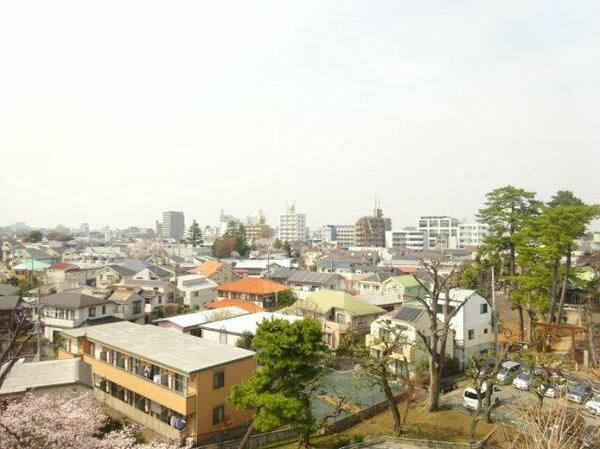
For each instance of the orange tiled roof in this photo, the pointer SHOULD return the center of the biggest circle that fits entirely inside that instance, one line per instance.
(248, 306)
(207, 268)
(254, 286)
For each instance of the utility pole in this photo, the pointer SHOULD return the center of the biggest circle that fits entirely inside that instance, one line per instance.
(494, 314)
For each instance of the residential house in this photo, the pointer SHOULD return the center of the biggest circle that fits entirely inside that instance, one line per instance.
(341, 313)
(190, 322)
(66, 276)
(228, 331)
(404, 325)
(156, 293)
(405, 287)
(216, 271)
(68, 310)
(172, 383)
(257, 267)
(369, 282)
(248, 306)
(112, 274)
(261, 291)
(303, 283)
(472, 324)
(153, 273)
(197, 290)
(50, 376)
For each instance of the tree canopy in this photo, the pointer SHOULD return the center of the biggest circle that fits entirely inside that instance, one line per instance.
(292, 357)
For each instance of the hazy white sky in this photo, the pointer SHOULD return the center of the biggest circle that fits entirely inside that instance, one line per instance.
(113, 111)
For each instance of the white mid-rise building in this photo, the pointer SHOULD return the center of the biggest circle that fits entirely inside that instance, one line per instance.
(471, 234)
(292, 226)
(340, 234)
(409, 238)
(440, 226)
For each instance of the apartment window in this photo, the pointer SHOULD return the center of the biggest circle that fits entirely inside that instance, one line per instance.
(218, 414)
(485, 330)
(471, 334)
(92, 312)
(483, 308)
(103, 310)
(137, 307)
(218, 379)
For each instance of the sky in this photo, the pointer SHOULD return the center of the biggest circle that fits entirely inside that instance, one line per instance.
(113, 111)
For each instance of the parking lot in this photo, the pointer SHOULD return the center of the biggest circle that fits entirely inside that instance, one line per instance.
(508, 395)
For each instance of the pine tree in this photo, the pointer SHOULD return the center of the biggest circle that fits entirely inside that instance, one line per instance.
(195, 234)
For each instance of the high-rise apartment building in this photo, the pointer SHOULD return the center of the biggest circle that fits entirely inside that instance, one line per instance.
(292, 226)
(369, 231)
(440, 225)
(173, 225)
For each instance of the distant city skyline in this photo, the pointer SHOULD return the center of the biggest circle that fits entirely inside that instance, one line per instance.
(425, 105)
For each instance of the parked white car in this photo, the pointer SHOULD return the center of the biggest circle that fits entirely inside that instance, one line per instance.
(508, 372)
(523, 381)
(593, 405)
(470, 397)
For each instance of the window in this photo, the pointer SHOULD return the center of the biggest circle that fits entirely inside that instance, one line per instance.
(92, 312)
(137, 307)
(103, 310)
(218, 414)
(471, 334)
(218, 379)
(483, 308)
(485, 330)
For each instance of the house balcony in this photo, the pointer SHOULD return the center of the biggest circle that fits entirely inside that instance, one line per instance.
(140, 417)
(182, 403)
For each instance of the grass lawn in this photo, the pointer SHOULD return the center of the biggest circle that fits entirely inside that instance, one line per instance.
(444, 425)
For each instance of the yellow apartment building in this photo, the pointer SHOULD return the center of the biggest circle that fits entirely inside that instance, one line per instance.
(170, 382)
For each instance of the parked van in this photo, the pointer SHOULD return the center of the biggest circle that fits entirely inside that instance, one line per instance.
(508, 372)
(470, 397)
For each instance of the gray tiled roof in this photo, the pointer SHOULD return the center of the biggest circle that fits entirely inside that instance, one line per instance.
(309, 277)
(123, 271)
(72, 300)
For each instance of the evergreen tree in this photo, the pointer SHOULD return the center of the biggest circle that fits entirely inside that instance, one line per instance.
(292, 358)
(195, 234)
(506, 212)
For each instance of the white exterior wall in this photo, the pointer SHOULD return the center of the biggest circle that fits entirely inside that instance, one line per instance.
(292, 227)
(220, 337)
(471, 234)
(80, 315)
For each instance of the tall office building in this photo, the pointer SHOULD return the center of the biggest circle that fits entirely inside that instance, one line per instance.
(173, 225)
(292, 226)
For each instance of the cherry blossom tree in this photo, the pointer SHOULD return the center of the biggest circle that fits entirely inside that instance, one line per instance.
(142, 249)
(65, 421)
